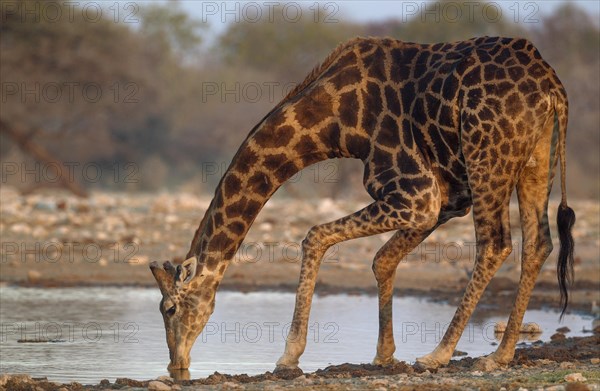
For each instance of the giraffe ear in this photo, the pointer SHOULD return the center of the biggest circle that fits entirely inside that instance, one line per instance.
(186, 271)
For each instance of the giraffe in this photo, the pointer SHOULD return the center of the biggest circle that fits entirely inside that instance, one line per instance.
(441, 128)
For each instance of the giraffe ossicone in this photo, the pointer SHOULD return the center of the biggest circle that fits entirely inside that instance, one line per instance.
(441, 129)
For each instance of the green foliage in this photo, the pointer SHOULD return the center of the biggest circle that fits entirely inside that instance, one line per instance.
(282, 47)
(163, 64)
(170, 29)
(448, 20)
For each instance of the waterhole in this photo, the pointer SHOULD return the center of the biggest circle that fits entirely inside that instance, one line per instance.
(89, 334)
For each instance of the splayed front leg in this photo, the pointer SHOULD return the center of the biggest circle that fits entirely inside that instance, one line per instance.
(319, 239)
(384, 267)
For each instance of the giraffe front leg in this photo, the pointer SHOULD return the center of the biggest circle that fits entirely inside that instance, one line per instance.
(313, 249)
(384, 267)
(319, 239)
(312, 253)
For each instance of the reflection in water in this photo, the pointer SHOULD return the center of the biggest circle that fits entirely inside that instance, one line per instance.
(118, 332)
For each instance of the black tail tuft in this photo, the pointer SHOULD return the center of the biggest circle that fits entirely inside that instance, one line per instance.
(564, 268)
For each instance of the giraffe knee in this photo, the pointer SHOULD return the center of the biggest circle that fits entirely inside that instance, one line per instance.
(546, 247)
(314, 239)
(539, 249)
(382, 269)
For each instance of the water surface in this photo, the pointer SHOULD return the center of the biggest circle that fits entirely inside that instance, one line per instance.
(106, 333)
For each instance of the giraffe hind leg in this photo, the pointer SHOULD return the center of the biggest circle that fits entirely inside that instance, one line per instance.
(492, 178)
(533, 190)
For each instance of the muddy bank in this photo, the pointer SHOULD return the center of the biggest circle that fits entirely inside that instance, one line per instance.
(563, 364)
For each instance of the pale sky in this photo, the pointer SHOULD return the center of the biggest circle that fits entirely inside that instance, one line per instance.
(220, 13)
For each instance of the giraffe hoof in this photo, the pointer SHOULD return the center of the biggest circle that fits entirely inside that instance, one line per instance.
(386, 362)
(427, 363)
(487, 364)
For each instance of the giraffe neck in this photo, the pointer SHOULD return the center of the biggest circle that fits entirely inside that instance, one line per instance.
(273, 152)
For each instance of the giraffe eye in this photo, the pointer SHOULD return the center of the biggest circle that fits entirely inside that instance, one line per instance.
(170, 311)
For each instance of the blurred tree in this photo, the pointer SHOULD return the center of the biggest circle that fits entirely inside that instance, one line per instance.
(569, 39)
(285, 46)
(93, 100)
(171, 30)
(446, 21)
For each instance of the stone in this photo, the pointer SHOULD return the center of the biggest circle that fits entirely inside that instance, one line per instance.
(138, 260)
(15, 378)
(21, 228)
(171, 219)
(595, 360)
(557, 337)
(33, 275)
(45, 205)
(558, 387)
(158, 386)
(165, 379)
(39, 232)
(566, 365)
(575, 377)
(228, 385)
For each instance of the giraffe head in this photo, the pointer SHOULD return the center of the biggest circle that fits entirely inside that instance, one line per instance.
(187, 303)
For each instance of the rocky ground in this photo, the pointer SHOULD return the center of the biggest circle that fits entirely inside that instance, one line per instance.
(55, 239)
(567, 364)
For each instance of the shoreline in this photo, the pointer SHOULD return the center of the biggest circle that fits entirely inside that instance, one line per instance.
(561, 364)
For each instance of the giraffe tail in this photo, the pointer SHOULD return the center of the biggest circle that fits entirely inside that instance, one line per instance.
(565, 218)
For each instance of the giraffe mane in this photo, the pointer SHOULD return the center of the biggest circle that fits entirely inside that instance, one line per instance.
(317, 71)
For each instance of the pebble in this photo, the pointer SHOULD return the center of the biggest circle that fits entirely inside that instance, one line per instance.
(486, 365)
(158, 386)
(21, 228)
(558, 387)
(575, 377)
(33, 275)
(595, 360)
(566, 365)
(171, 219)
(228, 385)
(46, 205)
(39, 232)
(138, 260)
(557, 337)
